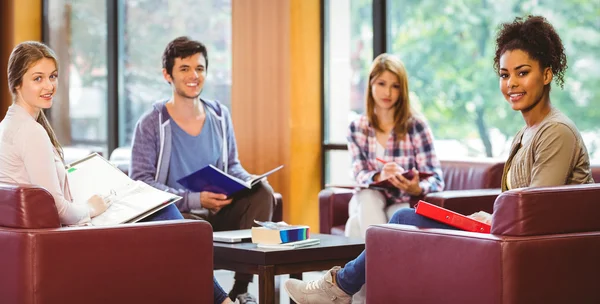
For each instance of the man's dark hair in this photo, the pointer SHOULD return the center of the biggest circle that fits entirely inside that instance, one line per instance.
(182, 47)
(537, 37)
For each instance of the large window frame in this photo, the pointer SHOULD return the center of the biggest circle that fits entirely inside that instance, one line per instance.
(379, 47)
(115, 81)
(116, 103)
(382, 25)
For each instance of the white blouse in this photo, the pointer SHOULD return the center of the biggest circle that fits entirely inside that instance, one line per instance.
(28, 157)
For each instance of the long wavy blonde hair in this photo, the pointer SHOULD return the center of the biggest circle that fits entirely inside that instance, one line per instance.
(23, 57)
(402, 109)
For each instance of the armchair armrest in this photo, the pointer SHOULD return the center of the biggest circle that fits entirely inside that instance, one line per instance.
(27, 206)
(154, 262)
(465, 201)
(333, 208)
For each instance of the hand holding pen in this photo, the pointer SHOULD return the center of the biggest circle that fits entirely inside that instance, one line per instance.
(389, 170)
(393, 172)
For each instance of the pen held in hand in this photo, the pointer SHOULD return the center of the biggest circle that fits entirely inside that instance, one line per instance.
(381, 160)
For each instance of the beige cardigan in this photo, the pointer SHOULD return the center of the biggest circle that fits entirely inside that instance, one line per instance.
(28, 157)
(556, 155)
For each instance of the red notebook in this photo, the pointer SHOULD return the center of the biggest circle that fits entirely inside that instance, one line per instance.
(451, 218)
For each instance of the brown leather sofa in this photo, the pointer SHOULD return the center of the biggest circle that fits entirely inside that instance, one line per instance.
(543, 248)
(470, 174)
(42, 262)
(121, 156)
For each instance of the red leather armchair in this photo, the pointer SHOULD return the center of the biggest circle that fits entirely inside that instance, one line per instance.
(458, 175)
(42, 262)
(543, 249)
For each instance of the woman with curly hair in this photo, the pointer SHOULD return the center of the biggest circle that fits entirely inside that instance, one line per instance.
(547, 151)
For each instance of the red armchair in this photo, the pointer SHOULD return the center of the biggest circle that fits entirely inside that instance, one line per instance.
(42, 262)
(458, 175)
(543, 249)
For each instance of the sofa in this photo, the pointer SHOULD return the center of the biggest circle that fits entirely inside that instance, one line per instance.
(42, 262)
(543, 248)
(121, 156)
(480, 177)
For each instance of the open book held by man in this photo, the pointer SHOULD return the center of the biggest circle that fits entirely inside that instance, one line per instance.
(212, 179)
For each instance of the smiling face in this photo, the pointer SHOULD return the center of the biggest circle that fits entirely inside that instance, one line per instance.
(523, 81)
(386, 90)
(38, 86)
(188, 76)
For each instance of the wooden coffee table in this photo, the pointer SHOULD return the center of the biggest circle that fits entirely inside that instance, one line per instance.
(267, 263)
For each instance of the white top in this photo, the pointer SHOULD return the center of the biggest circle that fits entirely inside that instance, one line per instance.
(379, 150)
(28, 157)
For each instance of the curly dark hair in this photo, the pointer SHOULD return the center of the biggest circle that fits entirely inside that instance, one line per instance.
(536, 36)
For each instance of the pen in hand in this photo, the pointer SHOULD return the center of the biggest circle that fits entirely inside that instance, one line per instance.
(381, 160)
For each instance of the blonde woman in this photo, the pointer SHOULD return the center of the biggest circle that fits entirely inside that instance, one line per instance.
(390, 139)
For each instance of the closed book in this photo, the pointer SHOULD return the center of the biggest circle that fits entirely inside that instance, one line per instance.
(291, 245)
(451, 218)
(281, 235)
(213, 179)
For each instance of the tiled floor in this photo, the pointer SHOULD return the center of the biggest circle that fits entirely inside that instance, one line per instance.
(225, 278)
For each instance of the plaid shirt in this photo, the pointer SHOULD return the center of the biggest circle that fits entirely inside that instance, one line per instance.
(415, 150)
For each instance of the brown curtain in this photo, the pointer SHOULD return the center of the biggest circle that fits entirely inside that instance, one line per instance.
(6, 45)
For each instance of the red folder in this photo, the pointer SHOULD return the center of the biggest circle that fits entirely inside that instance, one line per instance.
(451, 218)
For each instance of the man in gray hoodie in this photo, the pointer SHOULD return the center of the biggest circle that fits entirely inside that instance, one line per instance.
(185, 133)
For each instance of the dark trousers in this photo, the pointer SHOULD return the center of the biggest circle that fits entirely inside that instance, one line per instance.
(249, 205)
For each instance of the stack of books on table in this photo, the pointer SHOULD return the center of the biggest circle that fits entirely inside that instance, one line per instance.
(280, 235)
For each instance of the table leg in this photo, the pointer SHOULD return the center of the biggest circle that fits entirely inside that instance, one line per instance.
(266, 284)
(297, 276)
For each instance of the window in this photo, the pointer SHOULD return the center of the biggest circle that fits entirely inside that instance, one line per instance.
(206, 21)
(77, 31)
(448, 50)
(348, 55)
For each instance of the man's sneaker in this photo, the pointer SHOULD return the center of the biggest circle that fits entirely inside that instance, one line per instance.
(321, 291)
(246, 298)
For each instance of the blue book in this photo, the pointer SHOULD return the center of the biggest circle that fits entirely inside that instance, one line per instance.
(213, 179)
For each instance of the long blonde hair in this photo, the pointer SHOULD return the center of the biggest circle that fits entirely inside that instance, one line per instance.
(402, 109)
(23, 57)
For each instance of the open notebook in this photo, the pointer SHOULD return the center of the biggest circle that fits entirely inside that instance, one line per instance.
(131, 200)
(213, 179)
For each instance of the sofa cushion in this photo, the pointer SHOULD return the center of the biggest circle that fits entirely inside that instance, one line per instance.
(472, 174)
(27, 206)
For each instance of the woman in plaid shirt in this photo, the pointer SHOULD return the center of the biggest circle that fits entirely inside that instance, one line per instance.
(390, 139)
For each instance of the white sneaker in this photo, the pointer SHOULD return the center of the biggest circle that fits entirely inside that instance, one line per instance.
(321, 291)
(361, 296)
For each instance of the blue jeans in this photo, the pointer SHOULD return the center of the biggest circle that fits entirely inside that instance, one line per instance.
(172, 213)
(168, 213)
(352, 277)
